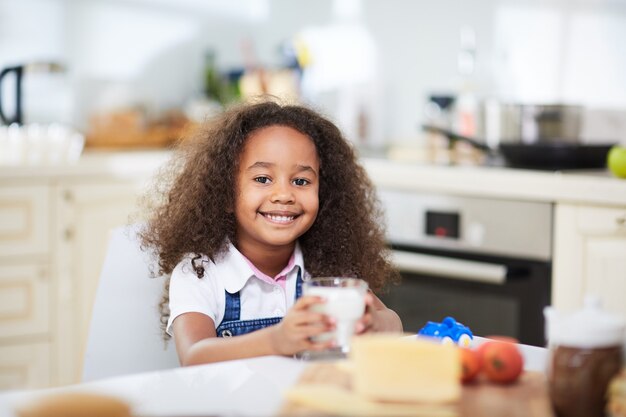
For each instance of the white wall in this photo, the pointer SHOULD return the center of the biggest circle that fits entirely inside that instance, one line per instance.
(150, 53)
(32, 30)
(419, 44)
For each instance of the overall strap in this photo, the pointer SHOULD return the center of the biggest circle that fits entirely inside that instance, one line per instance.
(233, 307)
(299, 284)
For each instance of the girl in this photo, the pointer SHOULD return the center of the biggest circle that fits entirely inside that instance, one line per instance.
(264, 197)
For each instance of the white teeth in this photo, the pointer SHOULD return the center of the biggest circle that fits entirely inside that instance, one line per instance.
(280, 219)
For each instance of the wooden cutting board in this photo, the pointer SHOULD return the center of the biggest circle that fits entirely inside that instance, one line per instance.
(527, 397)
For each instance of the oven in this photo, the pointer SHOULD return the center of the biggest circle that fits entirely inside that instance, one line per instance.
(484, 261)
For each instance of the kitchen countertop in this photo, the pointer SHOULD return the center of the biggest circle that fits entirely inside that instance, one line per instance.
(584, 187)
(248, 387)
(120, 164)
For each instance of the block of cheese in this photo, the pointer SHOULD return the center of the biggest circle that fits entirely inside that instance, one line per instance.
(389, 368)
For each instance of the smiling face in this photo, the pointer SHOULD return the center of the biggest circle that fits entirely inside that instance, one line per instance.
(277, 189)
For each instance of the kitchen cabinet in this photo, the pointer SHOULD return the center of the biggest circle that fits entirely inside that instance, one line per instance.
(589, 256)
(24, 365)
(85, 213)
(53, 237)
(25, 285)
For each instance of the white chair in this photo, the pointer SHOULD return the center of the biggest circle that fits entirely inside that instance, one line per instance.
(124, 333)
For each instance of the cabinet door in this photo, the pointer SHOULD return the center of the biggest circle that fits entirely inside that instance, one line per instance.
(606, 271)
(24, 301)
(590, 256)
(24, 366)
(24, 221)
(87, 212)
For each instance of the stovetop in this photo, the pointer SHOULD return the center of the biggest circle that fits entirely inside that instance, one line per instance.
(419, 155)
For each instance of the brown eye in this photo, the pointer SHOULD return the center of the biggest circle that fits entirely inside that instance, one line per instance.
(262, 180)
(301, 181)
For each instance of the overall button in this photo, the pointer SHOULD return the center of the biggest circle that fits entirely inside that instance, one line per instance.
(226, 333)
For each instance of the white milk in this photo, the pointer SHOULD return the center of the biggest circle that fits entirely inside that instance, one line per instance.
(346, 305)
(342, 303)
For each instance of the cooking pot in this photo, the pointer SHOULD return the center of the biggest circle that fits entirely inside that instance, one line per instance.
(547, 154)
(530, 123)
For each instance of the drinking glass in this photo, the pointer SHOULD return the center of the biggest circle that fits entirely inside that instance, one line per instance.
(344, 301)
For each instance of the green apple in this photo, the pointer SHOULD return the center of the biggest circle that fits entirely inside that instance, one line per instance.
(616, 161)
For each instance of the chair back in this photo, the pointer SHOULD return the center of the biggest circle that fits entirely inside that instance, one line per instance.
(124, 334)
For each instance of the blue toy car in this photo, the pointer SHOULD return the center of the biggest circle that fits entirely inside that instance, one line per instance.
(449, 331)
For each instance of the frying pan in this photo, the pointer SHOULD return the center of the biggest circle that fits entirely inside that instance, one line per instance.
(552, 155)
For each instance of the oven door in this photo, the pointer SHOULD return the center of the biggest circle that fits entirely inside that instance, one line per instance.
(491, 295)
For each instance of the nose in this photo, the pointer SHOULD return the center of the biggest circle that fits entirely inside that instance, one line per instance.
(282, 193)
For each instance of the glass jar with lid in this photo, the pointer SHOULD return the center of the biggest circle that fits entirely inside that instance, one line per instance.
(585, 353)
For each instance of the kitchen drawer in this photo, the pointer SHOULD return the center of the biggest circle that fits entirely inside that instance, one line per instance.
(25, 366)
(24, 221)
(601, 220)
(24, 300)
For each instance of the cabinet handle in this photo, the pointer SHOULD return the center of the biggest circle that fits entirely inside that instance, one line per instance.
(621, 220)
(68, 233)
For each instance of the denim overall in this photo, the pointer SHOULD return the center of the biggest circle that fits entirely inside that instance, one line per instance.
(232, 326)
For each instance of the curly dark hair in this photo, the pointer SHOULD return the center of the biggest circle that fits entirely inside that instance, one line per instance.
(193, 194)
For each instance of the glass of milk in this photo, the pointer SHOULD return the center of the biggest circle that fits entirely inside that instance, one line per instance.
(345, 302)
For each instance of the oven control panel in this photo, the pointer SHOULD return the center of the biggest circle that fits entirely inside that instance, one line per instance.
(442, 224)
(521, 229)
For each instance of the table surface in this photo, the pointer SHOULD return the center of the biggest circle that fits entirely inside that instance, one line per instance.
(527, 397)
(248, 387)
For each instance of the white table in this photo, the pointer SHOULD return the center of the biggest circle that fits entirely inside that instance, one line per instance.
(249, 387)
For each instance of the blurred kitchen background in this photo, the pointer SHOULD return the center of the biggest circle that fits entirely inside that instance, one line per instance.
(93, 94)
(132, 72)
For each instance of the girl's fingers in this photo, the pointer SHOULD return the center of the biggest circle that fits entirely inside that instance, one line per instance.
(307, 301)
(317, 346)
(305, 318)
(369, 299)
(318, 328)
(304, 325)
(364, 323)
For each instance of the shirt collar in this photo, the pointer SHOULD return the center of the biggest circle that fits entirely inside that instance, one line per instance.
(236, 272)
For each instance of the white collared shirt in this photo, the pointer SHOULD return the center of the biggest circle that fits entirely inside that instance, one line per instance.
(232, 273)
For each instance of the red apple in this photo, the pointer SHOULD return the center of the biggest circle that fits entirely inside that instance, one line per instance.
(470, 364)
(502, 362)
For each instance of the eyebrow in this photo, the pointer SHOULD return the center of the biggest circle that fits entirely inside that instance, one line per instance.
(300, 168)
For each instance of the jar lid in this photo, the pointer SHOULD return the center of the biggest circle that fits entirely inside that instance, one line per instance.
(590, 327)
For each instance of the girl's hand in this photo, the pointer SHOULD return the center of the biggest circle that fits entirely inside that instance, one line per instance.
(293, 334)
(367, 322)
(377, 317)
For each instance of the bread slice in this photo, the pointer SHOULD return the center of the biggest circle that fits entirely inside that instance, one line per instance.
(76, 404)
